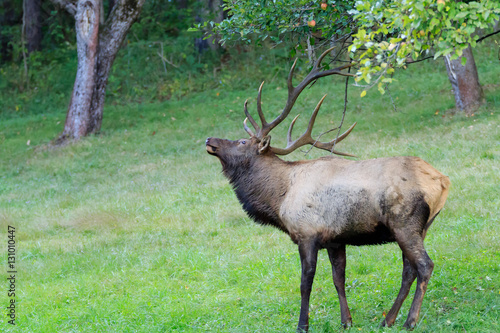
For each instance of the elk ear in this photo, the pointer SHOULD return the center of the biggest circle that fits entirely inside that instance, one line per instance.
(264, 144)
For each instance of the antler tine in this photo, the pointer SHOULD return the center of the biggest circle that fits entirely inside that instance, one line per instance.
(345, 134)
(322, 56)
(252, 121)
(313, 117)
(290, 75)
(347, 65)
(259, 105)
(329, 145)
(249, 131)
(289, 135)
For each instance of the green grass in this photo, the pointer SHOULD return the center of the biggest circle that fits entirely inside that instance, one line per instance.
(136, 230)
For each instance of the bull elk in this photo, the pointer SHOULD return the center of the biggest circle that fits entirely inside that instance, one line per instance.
(331, 202)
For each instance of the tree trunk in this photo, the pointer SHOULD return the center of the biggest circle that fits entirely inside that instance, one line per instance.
(9, 15)
(311, 55)
(110, 41)
(465, 82)
(97, 48)
(33, 24)
(87, 31)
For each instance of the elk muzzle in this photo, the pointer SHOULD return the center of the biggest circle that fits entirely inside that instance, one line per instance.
(211, 146)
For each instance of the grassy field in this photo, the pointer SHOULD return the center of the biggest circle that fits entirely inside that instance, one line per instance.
(136, 229)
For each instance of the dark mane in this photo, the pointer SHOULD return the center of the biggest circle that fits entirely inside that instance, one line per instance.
(259, 194)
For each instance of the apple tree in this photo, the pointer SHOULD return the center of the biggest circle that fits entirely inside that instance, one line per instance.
(97, 45)
(392, 33)
(378, 35)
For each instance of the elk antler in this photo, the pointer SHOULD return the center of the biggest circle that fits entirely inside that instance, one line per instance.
(293, 94)
(306, 138)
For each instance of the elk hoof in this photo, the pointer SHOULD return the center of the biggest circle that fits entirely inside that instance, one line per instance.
(347, 324)
(409, 325)
(384, 323)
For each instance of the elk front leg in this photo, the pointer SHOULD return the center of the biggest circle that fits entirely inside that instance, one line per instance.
(308, 251)
(338, 259)
(408, 276)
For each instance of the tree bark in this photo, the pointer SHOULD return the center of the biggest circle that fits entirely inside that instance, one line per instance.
(97, 48)
(78, 118)
(110, 41)
(33, 24)
(465, 82)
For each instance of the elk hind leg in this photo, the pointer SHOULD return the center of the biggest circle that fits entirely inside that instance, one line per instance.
(308, 251)
(338, 260)
(412, 246)
(408, 276)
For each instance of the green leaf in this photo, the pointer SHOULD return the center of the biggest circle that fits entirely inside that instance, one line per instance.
(380, 88)
(434, 22)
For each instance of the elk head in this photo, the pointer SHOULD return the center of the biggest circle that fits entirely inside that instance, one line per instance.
(238, 153)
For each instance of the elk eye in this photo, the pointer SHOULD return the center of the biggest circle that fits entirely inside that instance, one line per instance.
(243, 142)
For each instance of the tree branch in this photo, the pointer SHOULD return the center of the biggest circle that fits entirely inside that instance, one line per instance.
(419, 60)
(479, 40)
(488, 35)
(345, 108)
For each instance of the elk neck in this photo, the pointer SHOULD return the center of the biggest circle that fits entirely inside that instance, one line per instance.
(261, 184)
